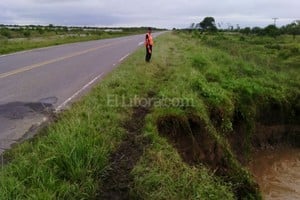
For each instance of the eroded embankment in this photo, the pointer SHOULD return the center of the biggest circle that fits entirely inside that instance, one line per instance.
(190, 136)
(275, 123)
(196, 143)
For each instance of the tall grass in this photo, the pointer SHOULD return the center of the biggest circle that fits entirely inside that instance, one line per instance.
(67, 160)
(223, 74)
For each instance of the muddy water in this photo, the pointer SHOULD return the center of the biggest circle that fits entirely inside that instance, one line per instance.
(278, 173)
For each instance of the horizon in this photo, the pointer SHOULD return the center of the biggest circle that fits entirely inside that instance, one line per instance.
(133, 13)
(139, 27)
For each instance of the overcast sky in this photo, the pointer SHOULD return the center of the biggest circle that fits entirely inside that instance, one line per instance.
(155, 13)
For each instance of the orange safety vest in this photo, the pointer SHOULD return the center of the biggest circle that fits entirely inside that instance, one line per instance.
(149, 40)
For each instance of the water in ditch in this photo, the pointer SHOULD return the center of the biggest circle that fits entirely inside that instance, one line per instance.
(277, 171)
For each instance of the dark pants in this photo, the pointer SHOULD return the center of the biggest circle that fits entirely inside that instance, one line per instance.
(148, 53)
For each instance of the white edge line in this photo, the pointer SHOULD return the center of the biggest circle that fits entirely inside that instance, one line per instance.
(123, 58)
(141, 43)
(77, 93)
(11, 54)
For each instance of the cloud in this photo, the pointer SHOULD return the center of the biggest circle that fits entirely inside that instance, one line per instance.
(167, 13)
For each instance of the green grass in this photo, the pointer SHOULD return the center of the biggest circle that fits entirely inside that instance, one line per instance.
(161, 174)
(211, 72)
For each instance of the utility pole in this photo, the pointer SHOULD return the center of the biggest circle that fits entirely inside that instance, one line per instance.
(275, 19)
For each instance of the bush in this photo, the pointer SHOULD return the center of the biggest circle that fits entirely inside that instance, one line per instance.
(273, 46)
(6, 33)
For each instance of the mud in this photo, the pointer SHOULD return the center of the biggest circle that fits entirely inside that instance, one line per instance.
(117, 181)
(277, 171)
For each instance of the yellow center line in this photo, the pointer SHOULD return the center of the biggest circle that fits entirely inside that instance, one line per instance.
(30, 67)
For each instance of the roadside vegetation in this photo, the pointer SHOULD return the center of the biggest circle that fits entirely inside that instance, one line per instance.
(19, 38)
(180, 127)
(209, 24)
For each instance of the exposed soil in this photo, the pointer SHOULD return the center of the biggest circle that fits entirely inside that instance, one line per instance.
(273, 135)
(190, 137)
(277, 124)
(117, 181)
(274, 126)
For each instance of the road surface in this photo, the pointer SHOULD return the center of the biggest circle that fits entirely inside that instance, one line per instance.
(35, 81)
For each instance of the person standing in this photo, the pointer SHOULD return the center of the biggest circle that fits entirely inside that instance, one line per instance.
(149, 45)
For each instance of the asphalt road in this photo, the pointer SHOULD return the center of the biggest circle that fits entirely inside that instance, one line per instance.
(33, 82)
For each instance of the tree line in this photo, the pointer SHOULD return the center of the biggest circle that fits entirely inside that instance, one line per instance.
(209, 24)
(272, 30)
(29, 31)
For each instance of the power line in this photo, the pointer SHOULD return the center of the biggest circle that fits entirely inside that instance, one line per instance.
(275, 19)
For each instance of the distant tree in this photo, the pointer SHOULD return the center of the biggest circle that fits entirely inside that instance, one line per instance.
(65, 29)
(27, 33)
(257, 30)
(229, 27)
(271, 30)
(293, 28)
(192, 26)
(6, 33)
(197, 26)
(209, 24)
(40, 30)
(246, 30)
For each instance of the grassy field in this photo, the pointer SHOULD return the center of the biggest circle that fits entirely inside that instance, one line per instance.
(19, 40)
(180, 127)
